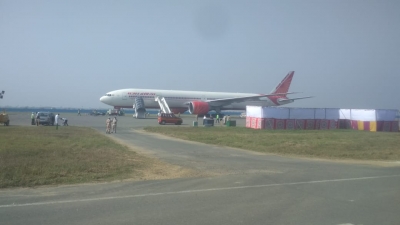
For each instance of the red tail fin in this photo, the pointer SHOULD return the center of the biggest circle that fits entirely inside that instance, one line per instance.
(283, 86)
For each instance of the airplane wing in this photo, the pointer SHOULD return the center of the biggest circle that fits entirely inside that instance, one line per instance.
(290, 100)
(227, 101)
(301, 98)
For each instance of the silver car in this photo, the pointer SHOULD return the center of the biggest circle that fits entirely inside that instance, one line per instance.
(46, 118)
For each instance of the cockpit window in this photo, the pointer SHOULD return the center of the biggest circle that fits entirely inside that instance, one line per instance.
(109, 95)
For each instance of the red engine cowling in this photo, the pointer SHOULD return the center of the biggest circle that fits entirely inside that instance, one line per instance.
(200, 108)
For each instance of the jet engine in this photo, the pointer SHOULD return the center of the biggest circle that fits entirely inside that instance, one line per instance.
(200, 108)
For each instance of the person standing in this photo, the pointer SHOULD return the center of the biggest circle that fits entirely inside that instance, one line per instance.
(33, 118)
(108, 125)
(56, 119)
(114, 125)
(37, 119)
(79, 112)
(217, 118)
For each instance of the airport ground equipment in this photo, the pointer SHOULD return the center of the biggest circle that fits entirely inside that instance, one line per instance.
(163, 104)
(97, 113)
(140, 110)
(208, 122)
(230, 123)
(4, 119)
(115, 112)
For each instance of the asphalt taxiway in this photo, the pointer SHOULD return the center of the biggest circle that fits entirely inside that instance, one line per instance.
(239, 187)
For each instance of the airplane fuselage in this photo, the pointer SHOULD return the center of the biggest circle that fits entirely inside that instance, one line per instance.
(125, 98)
(200, 102)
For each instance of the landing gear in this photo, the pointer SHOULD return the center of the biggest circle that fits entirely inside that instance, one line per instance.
(218, 110)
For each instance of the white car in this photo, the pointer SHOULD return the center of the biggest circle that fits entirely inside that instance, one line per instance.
(242, 115)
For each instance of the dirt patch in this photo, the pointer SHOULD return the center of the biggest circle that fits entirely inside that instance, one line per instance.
(154, 169)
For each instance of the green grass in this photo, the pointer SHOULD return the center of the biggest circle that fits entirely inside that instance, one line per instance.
(331, 144)
(31, 156)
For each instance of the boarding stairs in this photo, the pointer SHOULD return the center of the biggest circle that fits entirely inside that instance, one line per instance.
(163, 104)
(140, 110)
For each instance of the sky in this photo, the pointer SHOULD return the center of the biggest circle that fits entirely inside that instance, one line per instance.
(70, 53)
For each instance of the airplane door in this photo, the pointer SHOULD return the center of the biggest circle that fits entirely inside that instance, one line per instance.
(125, 96)
(203, 98)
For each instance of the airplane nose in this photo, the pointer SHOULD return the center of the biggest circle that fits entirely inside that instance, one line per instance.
(104, 99)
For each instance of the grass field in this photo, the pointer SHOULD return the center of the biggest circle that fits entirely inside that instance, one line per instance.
(31, 156)
(330, 144)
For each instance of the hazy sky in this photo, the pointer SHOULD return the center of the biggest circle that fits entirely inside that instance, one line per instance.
(70, 53)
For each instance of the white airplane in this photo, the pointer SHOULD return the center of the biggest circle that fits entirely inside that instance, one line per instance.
(199, 102)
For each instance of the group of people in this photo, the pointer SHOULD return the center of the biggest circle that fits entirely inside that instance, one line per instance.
(111, 125)
(35, 118)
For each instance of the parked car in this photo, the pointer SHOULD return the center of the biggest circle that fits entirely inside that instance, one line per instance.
(242, 115)
(97, 113)
(46, 118)
(165, 118)
(115, 112)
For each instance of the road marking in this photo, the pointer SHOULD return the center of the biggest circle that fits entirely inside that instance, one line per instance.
(194, 191)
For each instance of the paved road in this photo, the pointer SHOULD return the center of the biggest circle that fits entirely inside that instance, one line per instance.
(243, 188)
